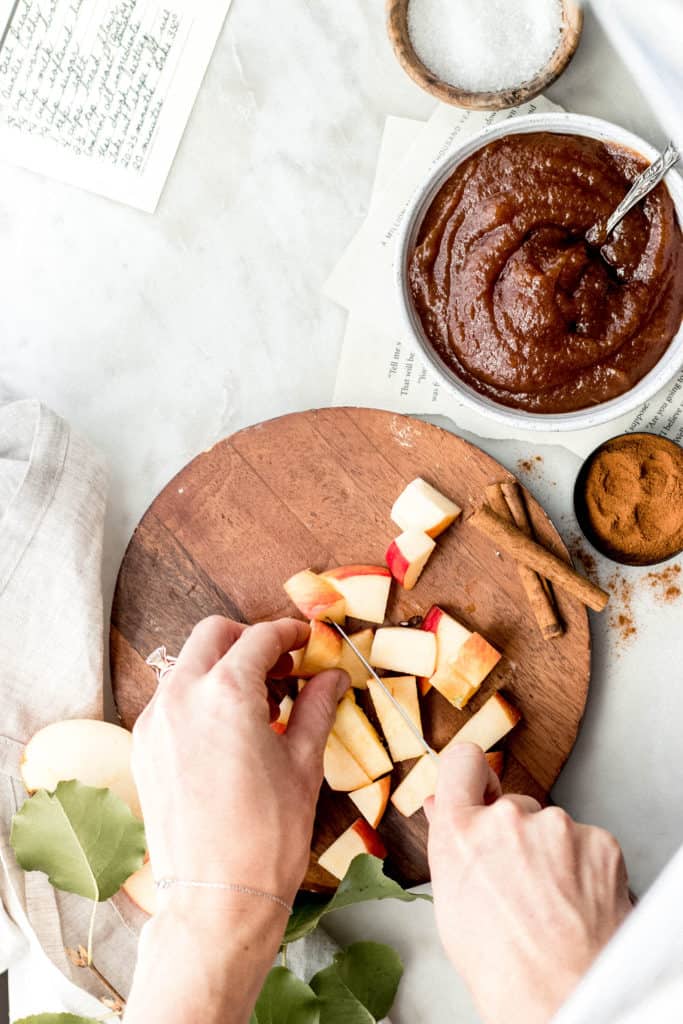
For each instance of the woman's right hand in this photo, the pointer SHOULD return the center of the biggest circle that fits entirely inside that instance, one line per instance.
(525, 898)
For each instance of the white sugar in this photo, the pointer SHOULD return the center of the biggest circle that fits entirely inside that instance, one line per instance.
(485, 45)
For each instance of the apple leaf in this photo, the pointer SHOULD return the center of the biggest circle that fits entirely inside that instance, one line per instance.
(86, 840)
(285, 999)
(365, 880)
(57, 1018)
(372, 972)
(338, 1004)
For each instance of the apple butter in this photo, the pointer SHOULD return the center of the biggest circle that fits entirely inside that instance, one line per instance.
(513, 298)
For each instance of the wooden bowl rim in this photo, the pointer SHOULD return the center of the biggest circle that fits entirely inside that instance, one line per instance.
(397, 28)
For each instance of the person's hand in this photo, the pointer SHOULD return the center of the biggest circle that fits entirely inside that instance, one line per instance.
(525, 898)
(224, 797)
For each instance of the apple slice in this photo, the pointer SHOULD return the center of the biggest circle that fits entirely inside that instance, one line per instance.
(96, 753)
(282, 721)
(401, 649)
(140, 888)
(492, 721)
(315, 596)
(350, 663)
(408, 555)
(342, 771)
(361, 740)
(323, 650)
(496, 760)
(358, 838)
(419, 783)
(421, 507)
(402, 744)
(365, 588)
(372, 800)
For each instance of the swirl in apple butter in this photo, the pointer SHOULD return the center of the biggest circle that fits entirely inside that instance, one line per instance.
(516, 302)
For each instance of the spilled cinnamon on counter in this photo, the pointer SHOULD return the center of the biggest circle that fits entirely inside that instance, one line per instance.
(633, 498)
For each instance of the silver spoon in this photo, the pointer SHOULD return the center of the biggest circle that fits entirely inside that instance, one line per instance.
(644, 183)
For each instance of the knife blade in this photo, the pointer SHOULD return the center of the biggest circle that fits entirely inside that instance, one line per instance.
(387, 692)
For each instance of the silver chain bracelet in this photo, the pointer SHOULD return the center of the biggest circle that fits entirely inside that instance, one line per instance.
(244, 890)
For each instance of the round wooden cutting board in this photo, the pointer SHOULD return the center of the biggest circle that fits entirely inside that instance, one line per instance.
(315, 489)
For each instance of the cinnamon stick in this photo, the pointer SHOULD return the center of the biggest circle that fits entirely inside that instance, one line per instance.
(514, 499)
(528, 552)
(536, 587)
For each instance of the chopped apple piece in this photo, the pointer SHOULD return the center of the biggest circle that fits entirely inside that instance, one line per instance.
(315, 596)
(492, 721)
(342, 771)
(361, 740)
(96, 753)
(419, 783)
(140, 888)
(463, 659)
(496, 760)
(350, 663)
(450, 636)
(453, 686)
(323, 650)
(408, 555)
(372, 800)
(365, 588)
(282, 721)
(408, 651)
(402, 744)
(297, 660)
(421, 507)
(358, 838)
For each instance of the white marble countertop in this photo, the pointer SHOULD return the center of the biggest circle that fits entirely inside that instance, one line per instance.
(157, 335)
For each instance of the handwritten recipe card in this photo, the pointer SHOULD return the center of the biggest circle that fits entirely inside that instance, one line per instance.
(97, 93)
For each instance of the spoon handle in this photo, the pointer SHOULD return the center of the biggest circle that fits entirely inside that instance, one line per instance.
(643, 184)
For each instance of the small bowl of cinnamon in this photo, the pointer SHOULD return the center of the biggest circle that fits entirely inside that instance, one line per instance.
(628, 499)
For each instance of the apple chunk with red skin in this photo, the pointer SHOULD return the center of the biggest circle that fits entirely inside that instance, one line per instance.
(403, 745)
(342, 771)
(372, 800)
(491, 722)
(365, 589)
(460, 678)
(421, 507)
(407, 556)
(282, 721)
(358, 838)
(401, 649)
(316, 597)
(450, 637)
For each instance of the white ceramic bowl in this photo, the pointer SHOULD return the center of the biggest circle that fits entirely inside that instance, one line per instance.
(566, 124)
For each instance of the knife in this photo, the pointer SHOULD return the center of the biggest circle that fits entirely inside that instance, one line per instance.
(387, 692)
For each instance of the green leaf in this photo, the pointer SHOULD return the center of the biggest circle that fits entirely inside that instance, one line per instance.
(57, 1018)
(365, 880)
(372, 972)
(86, 840)
(285, 999)
(338, 1004)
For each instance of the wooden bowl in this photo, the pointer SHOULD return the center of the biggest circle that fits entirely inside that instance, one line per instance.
(397, 27)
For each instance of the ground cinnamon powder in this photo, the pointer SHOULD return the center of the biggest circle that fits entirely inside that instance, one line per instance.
(633, 498)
